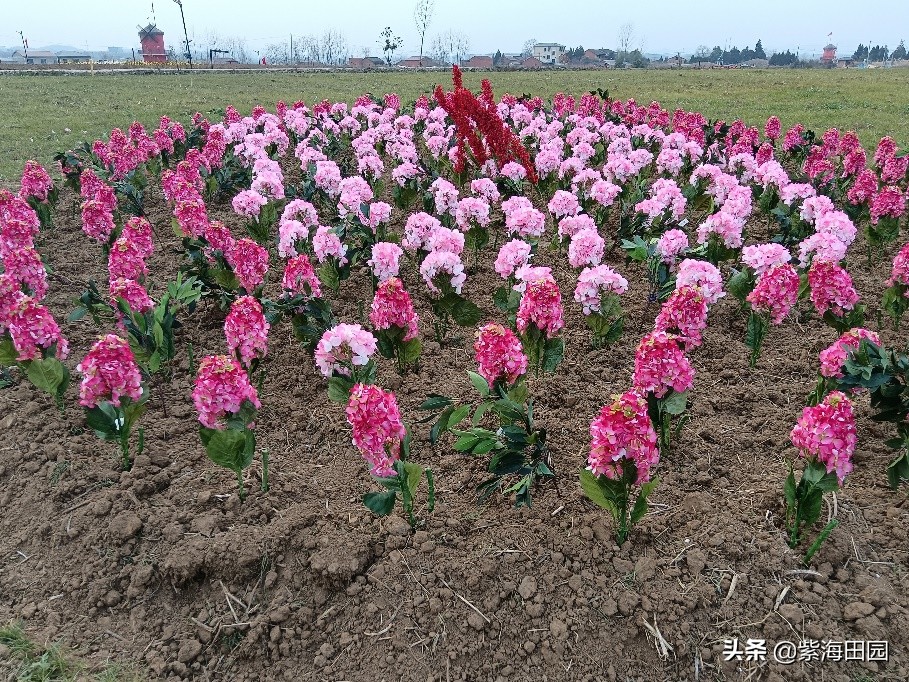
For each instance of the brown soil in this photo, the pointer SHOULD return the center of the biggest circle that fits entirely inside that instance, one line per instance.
(163, 569)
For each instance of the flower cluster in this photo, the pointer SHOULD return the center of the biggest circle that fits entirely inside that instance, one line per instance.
(670, 245)
(586, 248)
(499, 354)
(384, 261)
(661, 365)
(300, 278)
(685, 314)
(378, 432)
(702, 275)
(392, 307)
(513, 255)
(344, 343)
(834, 356)
(541, 304)
(776, 292)
(249, 262)
(762, 257)
(831, 288)
(443, 263)
(623, 432)
(109, 372)
(246, 330)
(222, 387)
(827, 431)
(596, 281)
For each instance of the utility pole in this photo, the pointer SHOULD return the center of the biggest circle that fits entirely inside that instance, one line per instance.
(291, 57)
(189, 54)
(24, 45)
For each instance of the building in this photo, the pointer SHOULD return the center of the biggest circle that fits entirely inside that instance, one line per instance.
(478, 61)
(365, 62)
(416, 62)
(152, 39)
(33, 57)
(829, 56)
(531, 63)
(845, 62)
(73, 58)
(549, 53)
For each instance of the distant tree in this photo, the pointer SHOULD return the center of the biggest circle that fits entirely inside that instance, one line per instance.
(497, 58)
(625, 39)
(861, 52)
(637, 60)
(716, 54)
(786, 58)
(422, 17)
(449, 47)
(899, 52)
(733, 56)
(759, 50)
(390, 43)
(276, 53)
(702, 54)
(575, 54)
(527, 50)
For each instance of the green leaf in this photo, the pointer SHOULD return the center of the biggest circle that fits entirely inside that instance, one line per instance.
(640, 504)
(518, 394)
(675, 403)
(412, 350)
(479, 383)
(228, 447)
(413, 473)
(441, 425)
(741, 284)
(590, 483)
(77, 314)
(486, 445)
(481, 411)
(898, 471)
(435, 402)
(789, 490)
(466, 313)
(8, 354)
(466, 443)
(380, 504)
(339, 389)
(458, 416)
(46, 374)
(103, 420)
(553, 353)
(328, 275)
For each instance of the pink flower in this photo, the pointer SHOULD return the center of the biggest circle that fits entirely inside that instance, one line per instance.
(300, 278)
(725, 226)
(246, 330)
(670, 245)
(248, 203)
(327, 244)
(392, 307)
(660, 365)
(604, 192)
(384, 261)
(834, 357)
(838, 224)
(485, 188)
(762, 257)
(864, 188)
(900, 272)
(827, 431)
(33, 329)
(623, 432)
(564, 204)
(499, 354)
(888, 203)
(703, 275)
(36, 182)
(796, 191)
(417, 230)
(222, 386)
(24, 266)
(132, 292)
(191, 216)
(218, 236)
(445, 239)
(586, 248)
(776, 292)
(824, 246)
(831, 288)
(344, 343)
(97, 220)
(126, 260)
(772, 128)
(249, 262)
(571, 225)
(328, 177)
(514, 171)
(379, 214)
(512, 256)
(378, 432)
(109, 372)
(541, 306)
(814, 207)
(685, 314)
(446, 196)
(138, 233)
(443, 263)
(596, 281)
(472, 211)
(522, 218)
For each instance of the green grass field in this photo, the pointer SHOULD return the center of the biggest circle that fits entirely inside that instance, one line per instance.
(41, 115)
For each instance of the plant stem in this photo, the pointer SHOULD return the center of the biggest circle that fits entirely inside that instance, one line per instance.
(265, 471)
(833, 523)
(240, 482)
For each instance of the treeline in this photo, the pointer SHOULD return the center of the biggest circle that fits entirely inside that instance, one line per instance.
(878, 53)
(731, 56)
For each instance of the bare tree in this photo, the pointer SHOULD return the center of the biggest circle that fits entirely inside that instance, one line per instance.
(528, 47)
(422, 17)
(276, 53)
(702, 54)
(625, 38)
(450, 47)
(309, 49)
(333, 48)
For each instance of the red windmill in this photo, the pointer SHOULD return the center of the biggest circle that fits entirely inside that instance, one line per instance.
(152, 39)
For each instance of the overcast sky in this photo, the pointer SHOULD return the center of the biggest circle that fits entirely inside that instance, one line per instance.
(663, 26)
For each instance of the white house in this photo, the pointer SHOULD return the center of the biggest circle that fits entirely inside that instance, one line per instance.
(549, 53)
